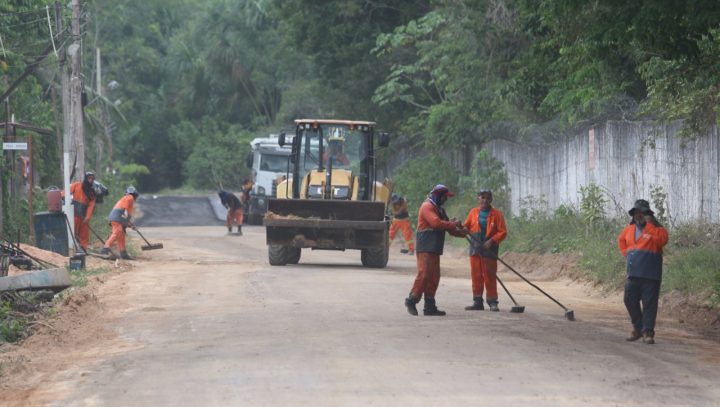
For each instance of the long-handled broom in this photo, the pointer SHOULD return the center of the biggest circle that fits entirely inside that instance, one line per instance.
(149, 246)
(518, 309)
(569, 314)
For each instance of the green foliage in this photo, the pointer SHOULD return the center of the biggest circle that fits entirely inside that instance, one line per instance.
(219, 161)
(130, 173)
(592, 205)
(658, 196)
(533, 208)
(79, 278)
(416, 178)
(694, 271)
(684, 87)
(486, 172)
(11, 326)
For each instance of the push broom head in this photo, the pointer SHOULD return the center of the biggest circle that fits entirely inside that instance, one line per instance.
(517, 309)
(569, 315)
(154, 246)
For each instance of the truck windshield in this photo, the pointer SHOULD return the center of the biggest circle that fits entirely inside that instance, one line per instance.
(273, 163)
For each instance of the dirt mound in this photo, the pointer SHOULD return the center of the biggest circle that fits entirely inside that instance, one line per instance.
(543, 267)
(43, 255)
(686, 311)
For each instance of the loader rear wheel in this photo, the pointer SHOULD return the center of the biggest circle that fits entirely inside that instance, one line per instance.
(278, 255)
(376, 257)
(293, 256)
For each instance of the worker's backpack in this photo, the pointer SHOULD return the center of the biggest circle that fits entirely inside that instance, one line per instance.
(101, 192)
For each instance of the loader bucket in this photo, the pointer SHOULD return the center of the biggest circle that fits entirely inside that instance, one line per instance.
(326, 224)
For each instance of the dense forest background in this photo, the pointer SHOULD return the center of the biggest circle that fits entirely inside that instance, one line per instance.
(187, 83)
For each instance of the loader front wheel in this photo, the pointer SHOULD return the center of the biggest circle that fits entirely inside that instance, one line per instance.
(376, 257)
(293, 256)
(278, 255)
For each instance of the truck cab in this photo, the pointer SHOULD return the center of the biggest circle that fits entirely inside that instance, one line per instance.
(269, 163)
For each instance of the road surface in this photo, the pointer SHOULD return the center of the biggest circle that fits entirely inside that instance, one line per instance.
(208, 322)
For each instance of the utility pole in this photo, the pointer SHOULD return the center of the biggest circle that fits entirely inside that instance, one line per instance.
(73, 129)
(76, 88)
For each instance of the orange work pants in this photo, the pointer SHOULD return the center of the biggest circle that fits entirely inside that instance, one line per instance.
(82, 232)
(116, 235)
(234, 215)
(483, 271)
(403, 225)
(428, 275)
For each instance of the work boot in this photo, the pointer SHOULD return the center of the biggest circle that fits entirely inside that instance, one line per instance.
(649, 338)
(125, 256)
(634, 336)
(477, 304)
(239, 230)
(493, 306)
(229, 230)
(410, 302)
(431, 309)
(105, 251)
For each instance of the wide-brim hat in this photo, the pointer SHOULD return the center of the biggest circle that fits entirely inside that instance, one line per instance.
(641, 205)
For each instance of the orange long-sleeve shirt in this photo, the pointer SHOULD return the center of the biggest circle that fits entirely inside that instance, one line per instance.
(78, 195)
(495, 229)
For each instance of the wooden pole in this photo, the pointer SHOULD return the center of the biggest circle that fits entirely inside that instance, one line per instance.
(31, 229)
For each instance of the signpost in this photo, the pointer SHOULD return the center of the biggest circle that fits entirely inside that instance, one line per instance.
(15, 146)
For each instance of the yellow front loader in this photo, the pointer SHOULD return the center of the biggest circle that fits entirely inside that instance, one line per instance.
(331, 199)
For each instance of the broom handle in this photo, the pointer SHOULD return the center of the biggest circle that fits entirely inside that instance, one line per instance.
(96, 235)
(519, 275)
(73, 235)
(141, 235)
(506, 290)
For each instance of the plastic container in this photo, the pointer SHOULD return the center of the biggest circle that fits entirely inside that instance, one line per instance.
(54, 199)
(77, 262)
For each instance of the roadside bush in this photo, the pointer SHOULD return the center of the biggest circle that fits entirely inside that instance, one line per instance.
(11, 326)
(486, 172)
(415, 178)
(692, 262)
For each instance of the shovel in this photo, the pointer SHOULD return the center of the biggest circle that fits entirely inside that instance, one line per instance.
(569, 314)
(149, 246)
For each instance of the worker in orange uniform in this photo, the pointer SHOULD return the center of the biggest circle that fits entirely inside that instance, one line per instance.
(433, 222)
(335, 151)
(83, 201)
(234, 210)
(401, 223)
(641, 243)
(120, 219)
(487, 227)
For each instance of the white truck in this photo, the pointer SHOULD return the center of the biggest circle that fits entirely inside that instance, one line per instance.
(269, 163)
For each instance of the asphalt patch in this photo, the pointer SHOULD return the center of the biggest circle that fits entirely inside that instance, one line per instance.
(175, 211)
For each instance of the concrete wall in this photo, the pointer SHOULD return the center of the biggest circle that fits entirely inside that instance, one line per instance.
(625, 159)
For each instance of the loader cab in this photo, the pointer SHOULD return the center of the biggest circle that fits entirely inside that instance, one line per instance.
(333, 160)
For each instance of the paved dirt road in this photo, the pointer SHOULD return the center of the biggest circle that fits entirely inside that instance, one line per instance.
(206, 321)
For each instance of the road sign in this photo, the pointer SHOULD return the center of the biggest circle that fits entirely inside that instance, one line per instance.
(14, 146)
